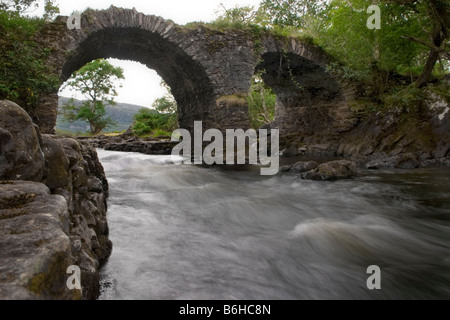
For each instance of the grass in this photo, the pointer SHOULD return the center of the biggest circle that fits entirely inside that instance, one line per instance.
(86, 134)
(156, 134)
(254, 30)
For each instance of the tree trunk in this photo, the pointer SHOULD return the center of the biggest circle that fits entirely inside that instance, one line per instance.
(439, 14)
(425, 76)
(92, 128)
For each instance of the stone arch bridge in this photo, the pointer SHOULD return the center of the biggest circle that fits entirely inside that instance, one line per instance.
(209, 71)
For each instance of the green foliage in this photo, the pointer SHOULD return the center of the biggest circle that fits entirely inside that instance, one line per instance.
(161, 133)
(243, 15)
(241, 18)
(19, 7)
(347, 37)
(296, 14)
(148, 121)
(261, 103)
(441, 89)
(402, 45)
(398, 47)
(24, 76)
(165, 105)
(51, 9)
(161, 119)
(345, 72)
(407, 98)
(97, 82)
(121, 113)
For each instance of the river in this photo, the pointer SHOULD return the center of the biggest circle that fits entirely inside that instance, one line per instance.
(189, 232)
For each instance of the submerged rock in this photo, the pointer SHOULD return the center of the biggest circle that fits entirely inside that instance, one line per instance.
(290, 152)
(403, 161)
(436, 163)
(301, 167)
(286, 168)
(334, 170)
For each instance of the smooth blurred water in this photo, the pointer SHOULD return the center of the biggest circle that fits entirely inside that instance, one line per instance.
(189, 232)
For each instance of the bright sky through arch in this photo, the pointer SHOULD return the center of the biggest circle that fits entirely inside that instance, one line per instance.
(141, 86)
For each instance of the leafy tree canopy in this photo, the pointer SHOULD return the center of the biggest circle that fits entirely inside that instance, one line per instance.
(97, 81)
(413, 39)
(24, 77)
(22, 6)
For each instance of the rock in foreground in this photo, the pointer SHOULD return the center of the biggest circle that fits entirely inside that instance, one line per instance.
(21, 157)
(34, 243)
(53, 220)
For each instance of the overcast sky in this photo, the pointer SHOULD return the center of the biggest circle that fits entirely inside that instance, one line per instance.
(141, 86)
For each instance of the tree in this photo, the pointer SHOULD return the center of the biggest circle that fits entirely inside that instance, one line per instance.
(435, 17)
(24, 75)
(97, 82)
(167, 103)
(51, 9)
(377, 54)
(162, 116)
(412, 40)
(21, 6)
(243, 15)
(292, 13)
(261, 102)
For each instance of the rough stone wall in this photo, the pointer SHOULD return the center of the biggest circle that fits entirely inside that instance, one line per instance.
(424, 135)
(311, 107)
(53, 195)
(210, 71)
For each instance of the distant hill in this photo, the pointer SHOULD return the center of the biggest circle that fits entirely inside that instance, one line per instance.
(122, 113)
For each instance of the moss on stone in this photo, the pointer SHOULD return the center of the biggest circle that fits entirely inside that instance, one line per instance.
(215, 46)
(232, 101)
(50, 281)
(17, 201)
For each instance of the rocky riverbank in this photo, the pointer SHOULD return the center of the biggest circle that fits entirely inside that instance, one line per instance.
(130, 143)
(53, 195)
(347, 165)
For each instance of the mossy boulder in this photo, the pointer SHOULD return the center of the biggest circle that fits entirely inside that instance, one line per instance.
(334, 170)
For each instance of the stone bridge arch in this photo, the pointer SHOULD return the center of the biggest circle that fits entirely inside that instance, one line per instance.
(129, 35)
(311, 106)
(208, 70)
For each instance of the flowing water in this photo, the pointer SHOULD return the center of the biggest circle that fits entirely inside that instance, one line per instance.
(189, 232)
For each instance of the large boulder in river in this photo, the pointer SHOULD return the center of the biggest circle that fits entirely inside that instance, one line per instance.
(334, 170)
(21, 157)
